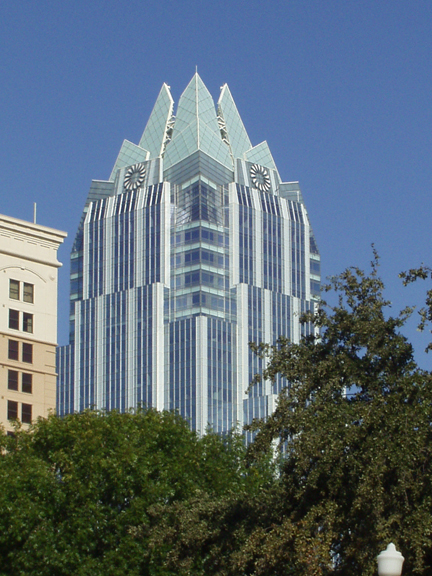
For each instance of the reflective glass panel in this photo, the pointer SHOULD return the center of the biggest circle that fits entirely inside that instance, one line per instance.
(14, 319)
(28, 293)
(26, 413)
(26, 382)
(14, 289)
(12, 380)
(12, 410)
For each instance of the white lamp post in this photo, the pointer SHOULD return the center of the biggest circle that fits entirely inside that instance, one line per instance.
(390, 562)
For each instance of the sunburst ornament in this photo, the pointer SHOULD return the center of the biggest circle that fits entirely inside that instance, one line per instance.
(134, 177)
(260, 177)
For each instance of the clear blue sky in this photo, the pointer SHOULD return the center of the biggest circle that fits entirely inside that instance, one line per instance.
(341, 90)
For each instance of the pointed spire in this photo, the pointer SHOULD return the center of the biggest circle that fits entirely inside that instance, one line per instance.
(231, 122)
(196, 127)
(157, 132)
(236, 135)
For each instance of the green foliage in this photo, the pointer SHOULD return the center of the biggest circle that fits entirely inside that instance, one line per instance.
(206, 533)
(354, 426)
(355, 423)
(79, 495)
(140, 494)
(422, 273)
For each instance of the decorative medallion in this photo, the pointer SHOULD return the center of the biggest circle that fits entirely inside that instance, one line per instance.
(260, 177)
(134, 177)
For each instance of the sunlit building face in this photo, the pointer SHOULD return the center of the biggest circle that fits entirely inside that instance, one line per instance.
(193, 248)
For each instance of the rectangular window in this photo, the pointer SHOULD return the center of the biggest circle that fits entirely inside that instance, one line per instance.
(28, 293)
(26, 383)
(14, 289)
(315, 287)
(14, 319)
(13, 349)
(26, 413)
(315, 267)
(27, 322)
(27, 353)
(12, 410)
(12, 380)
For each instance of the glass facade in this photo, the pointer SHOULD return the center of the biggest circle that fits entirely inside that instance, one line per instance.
(192, 249)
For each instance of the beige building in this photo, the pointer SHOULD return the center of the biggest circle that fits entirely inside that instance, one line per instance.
(28, 319)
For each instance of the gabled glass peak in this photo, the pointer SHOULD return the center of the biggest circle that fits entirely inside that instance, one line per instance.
(197, 126)
(157, 132)
(231, 124)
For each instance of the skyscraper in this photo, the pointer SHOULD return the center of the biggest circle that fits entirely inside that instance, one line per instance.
(193, 248)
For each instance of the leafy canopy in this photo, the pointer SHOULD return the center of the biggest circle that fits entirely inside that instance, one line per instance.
(425, 313)
(355, 425)
(140, 494)
(80, 495)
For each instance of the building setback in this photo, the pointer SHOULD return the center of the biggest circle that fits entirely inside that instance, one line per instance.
(193, 248)
(28, 320)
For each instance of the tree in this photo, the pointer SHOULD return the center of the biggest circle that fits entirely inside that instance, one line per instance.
(205, 534)
(354, 426)
(355, 423)
(140, 494)
(421, 273)
(81, 494)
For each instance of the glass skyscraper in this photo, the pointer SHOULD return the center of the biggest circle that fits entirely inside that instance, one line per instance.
(193, 248)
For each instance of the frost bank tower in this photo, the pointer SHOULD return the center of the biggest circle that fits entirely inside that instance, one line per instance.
(193, 248)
